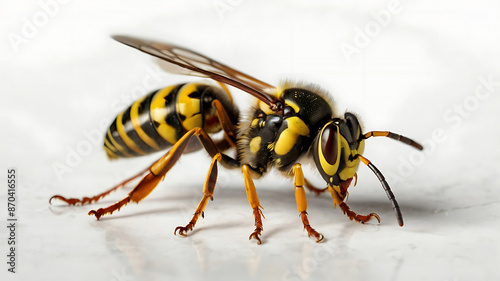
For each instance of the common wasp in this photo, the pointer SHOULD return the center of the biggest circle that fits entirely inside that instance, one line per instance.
(288, 125)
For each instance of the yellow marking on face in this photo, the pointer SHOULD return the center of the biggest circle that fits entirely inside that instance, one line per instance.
(351, 165)
(255, 144)
(293, 105)
(189, 107)
(119, 147)
(288, 138)
(348, 172)
(134, 117)
(159, 113)
(329, 169)
(361, 147)
(128, 141)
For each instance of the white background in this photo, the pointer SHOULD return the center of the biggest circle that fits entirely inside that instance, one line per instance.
(416, 74)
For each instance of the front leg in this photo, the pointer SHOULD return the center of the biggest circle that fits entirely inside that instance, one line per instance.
(356, 217)
(337, 200)
(253, 199)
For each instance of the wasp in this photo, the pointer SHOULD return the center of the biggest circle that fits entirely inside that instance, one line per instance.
(288, 125)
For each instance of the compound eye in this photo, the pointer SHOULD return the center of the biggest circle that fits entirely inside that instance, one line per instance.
(353, 124)
(328, 151)
(330, 144)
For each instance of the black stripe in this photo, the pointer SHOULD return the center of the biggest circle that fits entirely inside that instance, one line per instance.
(132, 134)
(118, 139)
(171, 118)
(113, 148)
(147, 123)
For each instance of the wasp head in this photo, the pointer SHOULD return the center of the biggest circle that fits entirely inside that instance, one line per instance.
(336, 150)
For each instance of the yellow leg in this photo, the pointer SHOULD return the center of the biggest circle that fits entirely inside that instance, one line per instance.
(208, 193)
(253, 199)
(300, 197)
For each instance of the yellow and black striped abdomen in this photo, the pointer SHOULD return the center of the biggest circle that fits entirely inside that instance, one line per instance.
(156, 121)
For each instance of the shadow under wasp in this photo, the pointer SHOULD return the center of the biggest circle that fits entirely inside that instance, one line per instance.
(288, 125)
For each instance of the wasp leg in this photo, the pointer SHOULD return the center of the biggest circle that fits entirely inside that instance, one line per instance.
(208, 193)
(227, 125)
(159, 169)
(347, 211)
(253, 199)
(359, 218)
(300, 197)
(90, 200)
(314, 189)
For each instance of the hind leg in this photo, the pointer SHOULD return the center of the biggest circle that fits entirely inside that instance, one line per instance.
(159, 169)
(96, 198)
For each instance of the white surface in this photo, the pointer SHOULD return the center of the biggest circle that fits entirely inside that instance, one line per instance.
(69, 76)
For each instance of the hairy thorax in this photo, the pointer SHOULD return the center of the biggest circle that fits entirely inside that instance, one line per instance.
(269, 138)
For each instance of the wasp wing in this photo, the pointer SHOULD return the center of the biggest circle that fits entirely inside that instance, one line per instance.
(200, 65)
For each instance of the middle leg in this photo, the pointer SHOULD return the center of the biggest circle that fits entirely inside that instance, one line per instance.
(208, 193)
(300, 197)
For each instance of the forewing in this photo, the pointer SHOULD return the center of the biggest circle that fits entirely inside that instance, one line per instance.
(200, 65)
